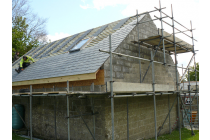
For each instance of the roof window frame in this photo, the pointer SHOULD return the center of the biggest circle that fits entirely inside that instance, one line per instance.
(83, 46)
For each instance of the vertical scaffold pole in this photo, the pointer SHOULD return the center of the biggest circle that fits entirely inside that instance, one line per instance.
(67, 100)
(153, 87)
(179, 115)
(177, 84)
(169, 116)
(127, 121)
(55, 117)
(162, 33)
(183, 112)
(92, 104)
(182, 75)
(137, 27)
(195, 72)
(29, 115)
(31, 112)
(190, 102)
(111, 87)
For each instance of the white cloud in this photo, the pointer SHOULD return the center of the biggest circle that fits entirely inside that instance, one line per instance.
(85, 6)
(57, 36)
(100, 4)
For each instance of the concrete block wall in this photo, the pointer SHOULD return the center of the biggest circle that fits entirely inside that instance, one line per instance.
(44, 121)
(127, 69)
(141, 117)
(141, 113)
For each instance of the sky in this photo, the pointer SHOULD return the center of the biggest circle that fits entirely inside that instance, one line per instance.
(68, 17)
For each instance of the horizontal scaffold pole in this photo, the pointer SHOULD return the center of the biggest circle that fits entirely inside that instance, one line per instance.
(138, 95)
(150, 20)
(120, 54)
(182, 31)
(174, 20)
(148, 12)
(175, 28)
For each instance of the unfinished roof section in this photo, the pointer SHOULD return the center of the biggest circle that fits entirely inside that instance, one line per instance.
(85, 61)
(64, 45)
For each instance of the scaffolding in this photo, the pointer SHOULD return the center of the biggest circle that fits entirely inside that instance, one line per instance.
(159, 42)
(167, 45)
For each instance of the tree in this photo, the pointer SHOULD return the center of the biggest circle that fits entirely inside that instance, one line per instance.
(192, 73)
(28, 30)
(21, 41)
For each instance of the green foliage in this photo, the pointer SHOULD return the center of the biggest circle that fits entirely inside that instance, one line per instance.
(185, 134)
(192, 73)
(16, 137)
(21, 41)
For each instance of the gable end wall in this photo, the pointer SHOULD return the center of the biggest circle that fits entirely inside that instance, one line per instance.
(127, 69)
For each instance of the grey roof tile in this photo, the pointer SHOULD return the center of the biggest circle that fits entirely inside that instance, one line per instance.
(21, 57)
(120, 23)
(48, 46)
(100, 30)
(87, 60)
(54, 46)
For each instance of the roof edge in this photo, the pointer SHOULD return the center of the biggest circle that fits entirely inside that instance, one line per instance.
(88, 76)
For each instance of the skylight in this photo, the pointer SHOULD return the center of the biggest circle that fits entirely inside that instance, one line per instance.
(79, 45)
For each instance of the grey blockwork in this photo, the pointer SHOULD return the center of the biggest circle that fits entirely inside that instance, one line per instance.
(55, 45)
(79, 39)
(120, 23)
(67, 41)
(49, 45)
(100, 30)
(88, 60)
(21, 57)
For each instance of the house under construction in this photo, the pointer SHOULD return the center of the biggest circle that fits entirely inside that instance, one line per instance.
(116, 81)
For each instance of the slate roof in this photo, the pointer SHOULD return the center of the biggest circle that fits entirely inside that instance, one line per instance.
(53, 59)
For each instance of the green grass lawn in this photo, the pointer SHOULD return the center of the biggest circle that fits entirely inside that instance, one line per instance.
(185, 135)
(16, 137)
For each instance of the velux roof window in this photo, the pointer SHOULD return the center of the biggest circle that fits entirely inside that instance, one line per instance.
(79, 45)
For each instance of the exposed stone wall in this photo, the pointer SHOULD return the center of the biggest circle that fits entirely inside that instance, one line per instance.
(127, 69)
